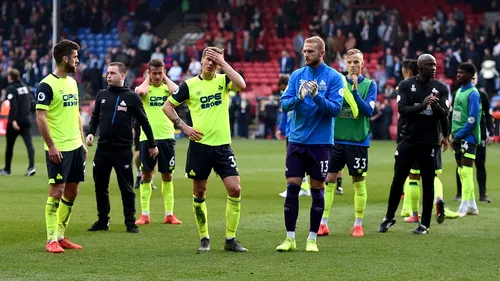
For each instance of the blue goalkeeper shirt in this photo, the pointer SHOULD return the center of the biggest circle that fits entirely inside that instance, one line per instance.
(312, 118)
(284, 125)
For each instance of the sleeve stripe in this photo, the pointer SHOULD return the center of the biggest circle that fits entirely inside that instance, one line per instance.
(173, 101)
(42, 106)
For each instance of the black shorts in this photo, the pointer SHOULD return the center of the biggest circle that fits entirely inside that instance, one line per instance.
(415, 169)
(354, 156)
(71, 168)
(137, 135)
(165, 158)
(464, 149)
(202, 158)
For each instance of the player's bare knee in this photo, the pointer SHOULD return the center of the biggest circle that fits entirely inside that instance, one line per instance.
(295, 181)
(414, 176)
(71, 191)
(199, 188)
(232, 185)
(317, 184)
(467, 162)
(166, 177)
(331, 177)
(147, 176)
(56, 190)
(358, 178)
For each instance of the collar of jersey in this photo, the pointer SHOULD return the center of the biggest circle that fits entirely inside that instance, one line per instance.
(321, 67)
(422, 82)
(466, 87)
(201, 78)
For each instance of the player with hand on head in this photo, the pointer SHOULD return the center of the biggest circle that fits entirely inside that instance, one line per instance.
(154, 91)
(352, 140)
(60, 124)
(207, 97)
(314, 94)
(466, 135)
(284, 130)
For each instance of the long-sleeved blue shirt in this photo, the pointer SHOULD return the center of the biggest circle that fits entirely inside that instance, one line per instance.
(474, 101)
(366, 107)
(284, 125)
(312, 119)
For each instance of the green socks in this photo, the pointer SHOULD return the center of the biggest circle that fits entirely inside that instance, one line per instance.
(233, 207)
(51, 218)
(167, 191)
(63, 215)
(200, 214)
(329, 195)
(145, 191)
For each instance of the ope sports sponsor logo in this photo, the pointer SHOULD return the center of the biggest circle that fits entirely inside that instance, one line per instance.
(211, 100)
(157, 101)
(70, 100)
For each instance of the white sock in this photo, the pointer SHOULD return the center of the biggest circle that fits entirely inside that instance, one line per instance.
(472, 204)
(168, 214)
(312, 235)
(290, 234)
(145, 214)
(358, 221)
(324, 221)
(463, 206)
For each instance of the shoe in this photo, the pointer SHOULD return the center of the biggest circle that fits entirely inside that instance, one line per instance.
(171, 219)
(449, 214)
(484, 199)
(305, 192)
(287, 245)
(386, 224)
(4, 172)
(232, 245)
(405, 213)
(204, 245)
(133, 229)
(30, 172)
(66, 244)
(440, 215)
(357, 231)
(421, 229)
(137, 183)
(311, 245)
(143, 220)
(99, 225)
(283, 194)
(458, 198)
(323, 230)
(339, 190)
(473, 212)
(412, 219)
(54, 247)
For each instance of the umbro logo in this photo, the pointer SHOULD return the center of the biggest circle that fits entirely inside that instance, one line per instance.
(220, 88)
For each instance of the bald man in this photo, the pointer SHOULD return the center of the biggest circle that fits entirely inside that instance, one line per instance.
(422, 102)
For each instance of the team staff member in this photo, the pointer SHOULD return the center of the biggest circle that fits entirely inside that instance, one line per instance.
(21, 106)
(422, 102)
(486, 139)
(207, 96)
(114, 110)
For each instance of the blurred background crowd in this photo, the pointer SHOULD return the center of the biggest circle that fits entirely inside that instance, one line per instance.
(261, 39)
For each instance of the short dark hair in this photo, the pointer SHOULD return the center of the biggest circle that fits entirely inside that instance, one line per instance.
(468, 68)
(121, 67)
(156, 63)
(411, 65)
(14, 74)
(63, 48)
(283, 80)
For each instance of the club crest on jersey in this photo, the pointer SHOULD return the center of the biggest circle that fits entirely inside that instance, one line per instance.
(413, 88)
(103, 101)
(322, 85)
(122, 106)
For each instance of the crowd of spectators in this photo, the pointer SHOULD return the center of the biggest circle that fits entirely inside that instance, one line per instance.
(26, 44)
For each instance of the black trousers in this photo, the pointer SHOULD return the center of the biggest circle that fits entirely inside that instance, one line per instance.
(11, 135)
(121, 161)
(406, 154)
(480, 163)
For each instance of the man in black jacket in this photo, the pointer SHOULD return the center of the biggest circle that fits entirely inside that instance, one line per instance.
(486, 139)
(422, 102)
(114, 110)
(22, 103)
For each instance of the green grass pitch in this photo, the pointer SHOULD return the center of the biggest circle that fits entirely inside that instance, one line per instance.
(461, 249)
